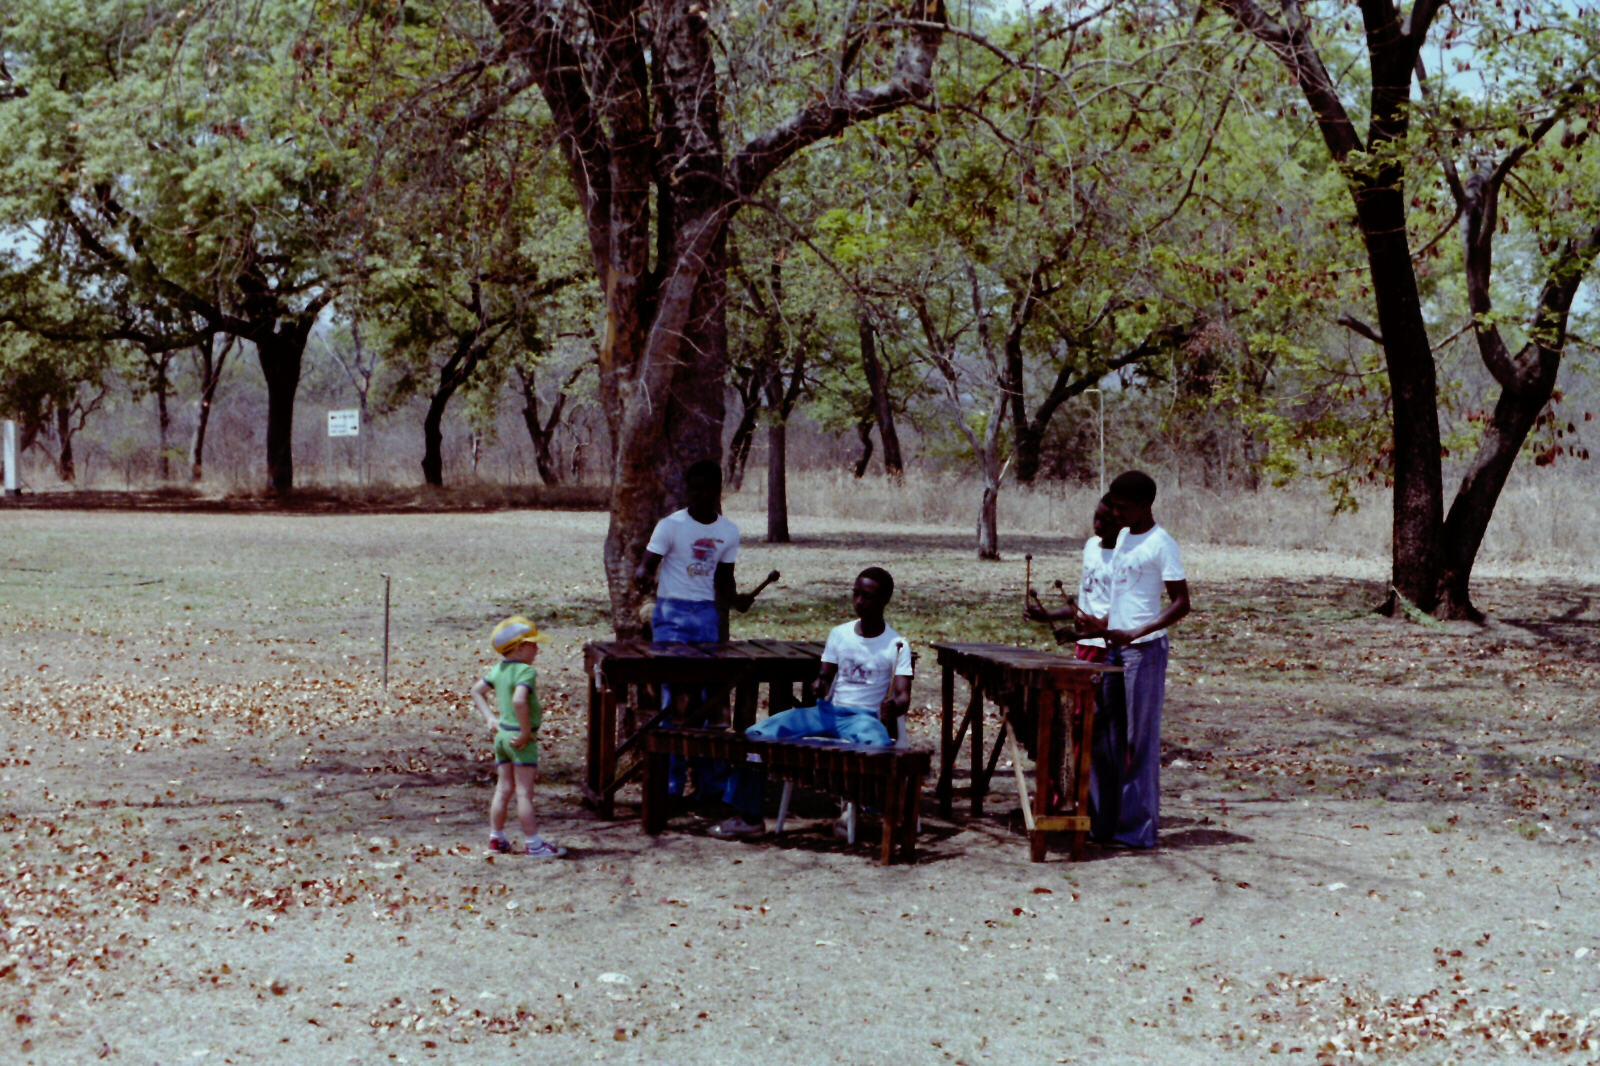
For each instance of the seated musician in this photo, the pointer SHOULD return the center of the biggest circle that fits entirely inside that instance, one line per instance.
(863, 688)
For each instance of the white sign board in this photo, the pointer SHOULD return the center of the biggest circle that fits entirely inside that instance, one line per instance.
(344, 423)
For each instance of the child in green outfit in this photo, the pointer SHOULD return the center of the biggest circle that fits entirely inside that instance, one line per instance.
(516, 752)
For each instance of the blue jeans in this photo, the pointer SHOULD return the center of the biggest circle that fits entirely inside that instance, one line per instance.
(1125, 779)
(854, 725)
(688, 622)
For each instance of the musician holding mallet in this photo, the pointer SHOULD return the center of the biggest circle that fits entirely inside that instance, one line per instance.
(1125, 787)
(689, 559)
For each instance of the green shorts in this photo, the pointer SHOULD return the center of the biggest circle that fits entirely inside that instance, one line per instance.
(527, 755)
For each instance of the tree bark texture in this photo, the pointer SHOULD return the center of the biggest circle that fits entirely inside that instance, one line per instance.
(634, 92)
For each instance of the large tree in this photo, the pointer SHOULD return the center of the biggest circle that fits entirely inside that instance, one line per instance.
(641, 92)
(1531, 114)
(1019, 240)
(172, 168)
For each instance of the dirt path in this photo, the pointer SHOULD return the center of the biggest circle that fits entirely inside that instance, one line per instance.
(223, 845)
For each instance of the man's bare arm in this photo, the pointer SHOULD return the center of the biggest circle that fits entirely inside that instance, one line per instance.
(1178, 593)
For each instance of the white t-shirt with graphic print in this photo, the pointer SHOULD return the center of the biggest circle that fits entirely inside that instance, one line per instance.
(866, 665)
(1094, 588)
(690, 552)
(1140, 568)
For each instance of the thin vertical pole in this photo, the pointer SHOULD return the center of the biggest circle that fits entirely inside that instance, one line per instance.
(1100, 399)
(9, 434)
(385, 634)
(1100, 410)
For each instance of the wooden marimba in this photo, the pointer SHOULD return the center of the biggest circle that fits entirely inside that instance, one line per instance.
(625, 679)
(1029, 686)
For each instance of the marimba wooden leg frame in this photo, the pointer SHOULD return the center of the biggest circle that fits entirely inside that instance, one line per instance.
(1051, 762)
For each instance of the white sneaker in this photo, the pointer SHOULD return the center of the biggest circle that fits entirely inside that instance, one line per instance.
(736, 828)
(545, 850)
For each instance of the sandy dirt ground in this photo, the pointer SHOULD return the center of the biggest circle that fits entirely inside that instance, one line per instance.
(224, 843)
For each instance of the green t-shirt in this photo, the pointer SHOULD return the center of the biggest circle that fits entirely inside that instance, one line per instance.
(506, 676)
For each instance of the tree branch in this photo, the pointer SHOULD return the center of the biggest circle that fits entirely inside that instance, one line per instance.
(911, 80)
(1293, 47)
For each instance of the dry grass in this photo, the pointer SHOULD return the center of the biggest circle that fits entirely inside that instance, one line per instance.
(1543, 522)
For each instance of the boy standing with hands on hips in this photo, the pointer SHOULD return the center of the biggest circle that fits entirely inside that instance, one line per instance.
(516, 751)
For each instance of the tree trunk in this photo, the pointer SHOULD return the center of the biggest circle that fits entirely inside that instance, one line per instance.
(163, 418)
(1377, 186)
(280, 357)
(1473, 507)
(743, 434)
(1029, 448)
(1527, 380)
(433, 437)
(864, 431)
(539, 433)
(658, 439)
(988, 519)
(1413, 391)
(882, 404)
(542, 431)
(210, 365)
(778, 483)
(637, 105)
(66, 467)
(544, 459)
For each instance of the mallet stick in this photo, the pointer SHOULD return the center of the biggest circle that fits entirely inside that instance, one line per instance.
(1078, 612)
(893, 725)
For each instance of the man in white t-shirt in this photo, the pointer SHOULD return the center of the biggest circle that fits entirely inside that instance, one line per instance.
(690, 557)
(863, 688)
(1125, 785)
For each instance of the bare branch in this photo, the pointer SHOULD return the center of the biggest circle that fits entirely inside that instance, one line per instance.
(1355, 325)
(911, 80)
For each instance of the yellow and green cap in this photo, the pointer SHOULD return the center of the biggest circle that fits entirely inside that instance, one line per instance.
(515, 631)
